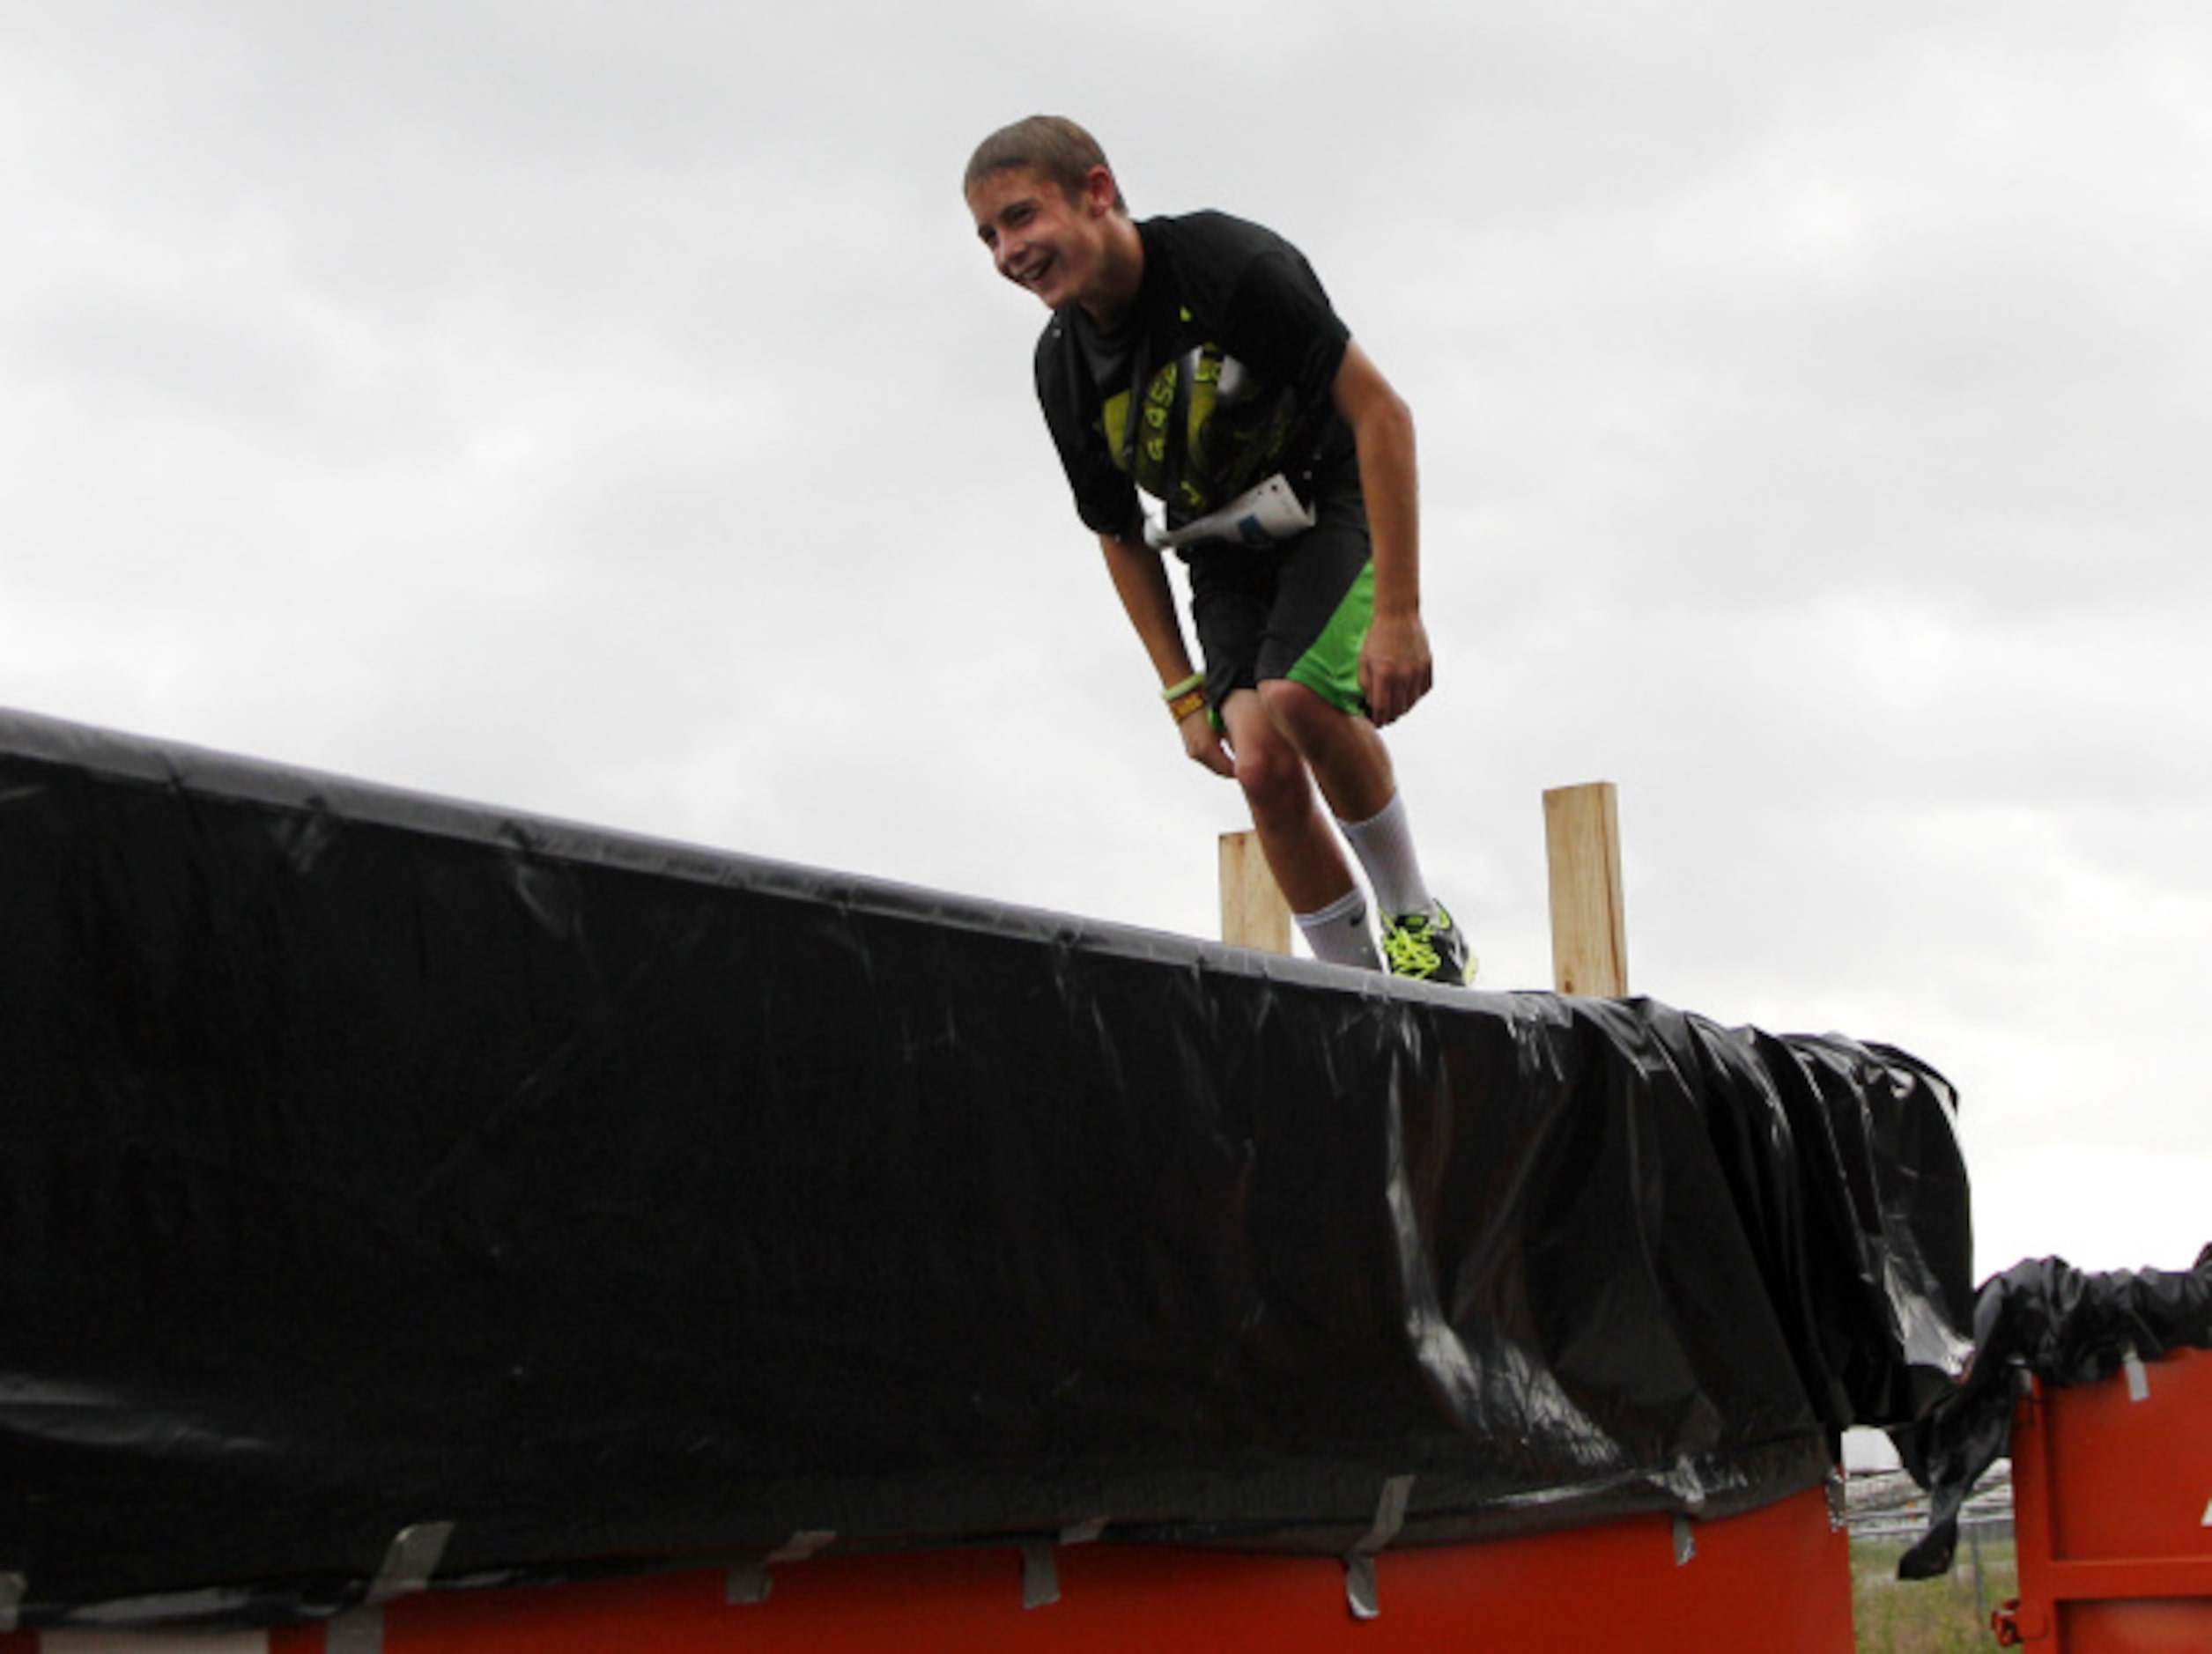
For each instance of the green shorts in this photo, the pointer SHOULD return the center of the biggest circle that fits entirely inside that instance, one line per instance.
(1299, 610)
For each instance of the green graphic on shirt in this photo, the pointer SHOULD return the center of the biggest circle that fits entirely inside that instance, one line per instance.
(1207, 431)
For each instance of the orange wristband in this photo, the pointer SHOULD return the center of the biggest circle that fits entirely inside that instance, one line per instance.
(1185, 697)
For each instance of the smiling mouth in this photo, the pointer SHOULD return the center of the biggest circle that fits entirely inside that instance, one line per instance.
(1031, 275)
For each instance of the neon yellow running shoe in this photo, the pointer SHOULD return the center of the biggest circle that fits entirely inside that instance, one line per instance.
(1428, 948)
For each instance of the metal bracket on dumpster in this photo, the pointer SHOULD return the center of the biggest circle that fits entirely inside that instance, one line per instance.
(2015, 1624)
(410, 1561)
(1359, 1565)
(12, 1589)
(748, 1584)
(1040, 1579)
(2138, 1378)
(356, 1631)
(1040, 1569)
(1685, 1541)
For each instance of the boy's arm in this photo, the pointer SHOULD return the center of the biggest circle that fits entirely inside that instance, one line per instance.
(1395, 669)
(1141, 580)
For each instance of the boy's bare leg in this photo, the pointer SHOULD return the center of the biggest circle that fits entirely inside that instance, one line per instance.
(1346, 754)
(1302, 848)
(1352, 766)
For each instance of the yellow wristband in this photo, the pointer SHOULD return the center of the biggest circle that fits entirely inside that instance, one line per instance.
(1188, 701)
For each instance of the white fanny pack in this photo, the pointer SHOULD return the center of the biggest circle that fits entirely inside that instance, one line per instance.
(1261, 515)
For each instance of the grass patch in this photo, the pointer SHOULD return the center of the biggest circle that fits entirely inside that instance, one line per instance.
(1932, 1616)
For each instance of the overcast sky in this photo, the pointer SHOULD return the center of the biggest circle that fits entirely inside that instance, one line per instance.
(606, 410)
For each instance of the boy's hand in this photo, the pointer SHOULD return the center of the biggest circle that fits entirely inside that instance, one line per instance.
(1203, 743)
(1395, 669)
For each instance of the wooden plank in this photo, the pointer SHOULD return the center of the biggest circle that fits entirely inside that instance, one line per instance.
(1589, 930)
(1254, 913)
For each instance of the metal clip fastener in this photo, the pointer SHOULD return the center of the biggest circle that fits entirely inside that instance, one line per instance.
(1359, 1567)
(747, 1584)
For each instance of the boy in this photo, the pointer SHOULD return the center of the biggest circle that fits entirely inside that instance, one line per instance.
(1197, 358)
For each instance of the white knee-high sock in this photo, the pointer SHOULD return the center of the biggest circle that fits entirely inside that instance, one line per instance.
(1339, 934)
(1384, 845)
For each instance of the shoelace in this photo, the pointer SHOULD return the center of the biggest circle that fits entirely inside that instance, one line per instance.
(1410, 952)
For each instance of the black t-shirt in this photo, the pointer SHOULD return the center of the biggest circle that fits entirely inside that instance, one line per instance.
(1237, 347)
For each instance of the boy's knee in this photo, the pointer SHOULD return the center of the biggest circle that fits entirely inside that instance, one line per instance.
(1303, 716)
(1272, 775)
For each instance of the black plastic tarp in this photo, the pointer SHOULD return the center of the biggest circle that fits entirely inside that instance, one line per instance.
(372, 1163)
(2043, 1320)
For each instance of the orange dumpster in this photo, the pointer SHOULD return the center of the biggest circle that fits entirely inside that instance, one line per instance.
(2113, 1500)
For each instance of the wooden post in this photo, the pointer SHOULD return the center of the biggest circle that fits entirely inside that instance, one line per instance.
(1589, 933)
(1254, 913)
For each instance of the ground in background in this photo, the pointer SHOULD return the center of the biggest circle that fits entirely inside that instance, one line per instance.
(1934, 1616)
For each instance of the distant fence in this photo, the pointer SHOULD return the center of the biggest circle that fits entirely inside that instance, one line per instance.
(1994, 1530)
(1888, 1507)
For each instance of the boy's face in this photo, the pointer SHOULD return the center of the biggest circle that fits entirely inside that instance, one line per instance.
(1042, 238)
